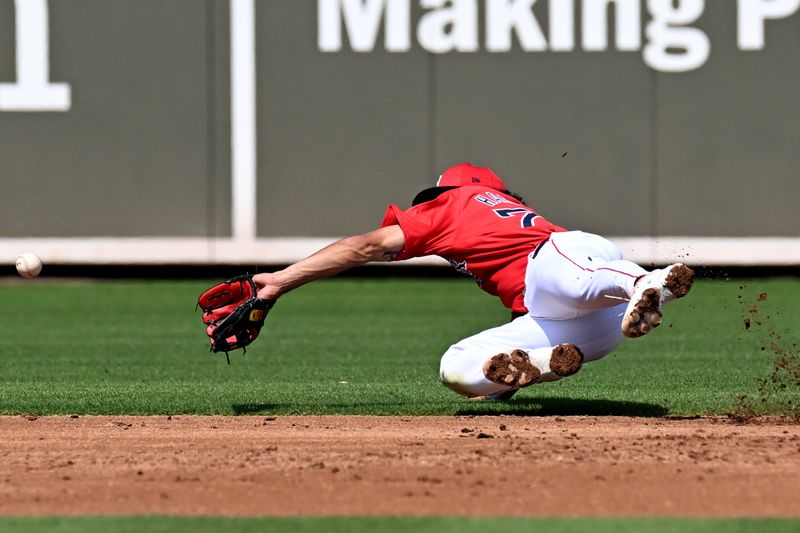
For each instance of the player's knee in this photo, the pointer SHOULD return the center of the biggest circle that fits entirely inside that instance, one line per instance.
(448, 369)
(452, 374)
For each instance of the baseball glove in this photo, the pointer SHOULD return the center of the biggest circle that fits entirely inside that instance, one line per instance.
(233, 313)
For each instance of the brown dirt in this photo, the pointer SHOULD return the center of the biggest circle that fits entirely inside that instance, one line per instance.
(341, 465)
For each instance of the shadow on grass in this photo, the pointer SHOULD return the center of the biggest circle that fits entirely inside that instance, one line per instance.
(464, 407)
(564, 407)
(258, 408)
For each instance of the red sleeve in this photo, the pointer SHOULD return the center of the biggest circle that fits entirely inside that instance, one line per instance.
(427, 227)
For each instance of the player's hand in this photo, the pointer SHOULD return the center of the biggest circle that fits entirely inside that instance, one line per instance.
(267, 286)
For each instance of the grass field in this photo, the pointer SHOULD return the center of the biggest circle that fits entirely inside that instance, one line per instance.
(392, 525)
(372, 346)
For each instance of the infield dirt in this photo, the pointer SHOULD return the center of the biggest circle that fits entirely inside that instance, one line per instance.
(368, 465)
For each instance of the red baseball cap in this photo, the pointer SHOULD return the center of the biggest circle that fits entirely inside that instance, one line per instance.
(468, 174)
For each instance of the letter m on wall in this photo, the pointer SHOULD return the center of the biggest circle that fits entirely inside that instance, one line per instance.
(362, 20)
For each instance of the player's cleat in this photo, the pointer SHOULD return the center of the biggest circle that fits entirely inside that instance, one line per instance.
(513, 369)
(520, 369)
(650, 293)
(565, 360)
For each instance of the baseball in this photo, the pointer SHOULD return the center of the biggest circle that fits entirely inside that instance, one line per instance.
(29, 265)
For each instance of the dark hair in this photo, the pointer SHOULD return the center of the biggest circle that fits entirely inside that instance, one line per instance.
(433, 192)
(514, 195)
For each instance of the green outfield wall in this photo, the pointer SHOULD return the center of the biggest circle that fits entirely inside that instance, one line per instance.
(254, 130)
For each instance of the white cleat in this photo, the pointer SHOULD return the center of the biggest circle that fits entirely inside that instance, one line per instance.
(650, 293)
(519, 368)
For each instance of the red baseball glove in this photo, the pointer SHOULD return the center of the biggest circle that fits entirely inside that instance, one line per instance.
(233, 313)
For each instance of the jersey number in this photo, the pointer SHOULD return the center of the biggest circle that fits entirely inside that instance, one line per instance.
(528, 216)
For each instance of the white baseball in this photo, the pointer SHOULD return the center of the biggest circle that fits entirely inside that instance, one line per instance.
(29, 265)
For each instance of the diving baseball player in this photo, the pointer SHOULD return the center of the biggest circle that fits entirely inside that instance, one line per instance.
(573, 297)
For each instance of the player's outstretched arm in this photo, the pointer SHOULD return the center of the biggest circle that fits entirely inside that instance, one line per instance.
(380, 245)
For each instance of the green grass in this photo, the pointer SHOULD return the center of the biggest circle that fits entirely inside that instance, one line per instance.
(393, 525)
(138, 347)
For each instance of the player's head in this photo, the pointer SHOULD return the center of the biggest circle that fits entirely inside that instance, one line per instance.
(468, 174)
(461, 175)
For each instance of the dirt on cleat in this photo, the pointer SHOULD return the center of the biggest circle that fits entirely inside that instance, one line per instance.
(513, 369)
(679, 281)
(566, 360)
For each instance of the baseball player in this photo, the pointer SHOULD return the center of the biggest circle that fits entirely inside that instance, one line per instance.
(572, 295)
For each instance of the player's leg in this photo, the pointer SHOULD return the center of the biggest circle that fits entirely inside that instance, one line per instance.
(478, 365)
(576, 273)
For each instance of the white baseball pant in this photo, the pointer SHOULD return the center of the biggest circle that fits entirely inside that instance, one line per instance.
(576, 291)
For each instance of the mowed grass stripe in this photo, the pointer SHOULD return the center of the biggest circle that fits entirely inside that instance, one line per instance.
(370, 346)
(156, 524)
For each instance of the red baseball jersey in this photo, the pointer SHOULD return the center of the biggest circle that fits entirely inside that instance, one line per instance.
(481, 232)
